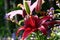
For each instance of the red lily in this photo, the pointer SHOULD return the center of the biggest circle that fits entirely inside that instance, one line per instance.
(31, 24)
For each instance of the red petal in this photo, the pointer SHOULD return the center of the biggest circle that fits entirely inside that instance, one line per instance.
(37, 21)
(21, 28)
(26, 33)
(32, 21)
(38, 7)
(53, 22)
(45, 25)
(43, 30)
(58, 21)
(44, 19)
(50, 23)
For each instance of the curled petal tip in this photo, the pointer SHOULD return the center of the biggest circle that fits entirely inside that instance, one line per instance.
(13, 13)
(6, 16)
(20, 5)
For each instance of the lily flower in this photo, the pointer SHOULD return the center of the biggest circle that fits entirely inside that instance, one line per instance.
(21, 12)
(32, 23)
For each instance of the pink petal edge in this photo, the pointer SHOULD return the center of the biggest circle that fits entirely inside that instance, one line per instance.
(33, 5)
(13, 13)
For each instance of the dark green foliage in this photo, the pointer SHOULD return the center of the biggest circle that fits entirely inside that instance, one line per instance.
(38, 36)
(48, 4)
(4, 30)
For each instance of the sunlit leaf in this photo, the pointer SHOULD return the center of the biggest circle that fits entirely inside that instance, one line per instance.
(57, 10)
(27, 7)
(21, 22)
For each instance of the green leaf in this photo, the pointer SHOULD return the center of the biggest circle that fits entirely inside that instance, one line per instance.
(21, 21)
(57, 10)
(27, 7)
(58, 34)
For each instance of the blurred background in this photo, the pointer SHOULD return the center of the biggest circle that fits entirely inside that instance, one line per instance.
(7, 28)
